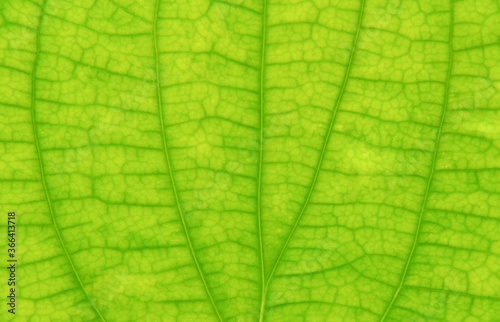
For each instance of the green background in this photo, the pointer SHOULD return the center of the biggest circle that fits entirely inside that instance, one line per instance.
(242, 160)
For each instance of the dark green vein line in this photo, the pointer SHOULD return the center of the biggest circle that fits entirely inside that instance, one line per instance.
(429, 181)
(167, 157)
(127, 10)
(42, 174)
(259, 184)
(323, 150)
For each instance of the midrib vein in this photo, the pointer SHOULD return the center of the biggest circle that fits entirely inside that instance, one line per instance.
(169, 166)
(259, 184)
(42, 173)
(320, 161)
(429, 181)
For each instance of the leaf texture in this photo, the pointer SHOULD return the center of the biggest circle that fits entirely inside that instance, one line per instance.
(252, 160)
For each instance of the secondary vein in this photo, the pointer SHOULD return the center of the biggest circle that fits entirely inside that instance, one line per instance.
(323, 150)
(429, 181)
(174, 188)
(259, 184)
(42, 174)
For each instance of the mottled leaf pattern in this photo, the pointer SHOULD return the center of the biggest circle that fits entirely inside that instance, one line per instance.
(252, 160)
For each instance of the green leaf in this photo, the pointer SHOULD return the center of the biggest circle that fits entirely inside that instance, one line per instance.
(251, 160)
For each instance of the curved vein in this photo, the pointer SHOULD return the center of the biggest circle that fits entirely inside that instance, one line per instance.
(323, 150)
(174, 188)
(429, 181)
(42, 175)
(259, 201)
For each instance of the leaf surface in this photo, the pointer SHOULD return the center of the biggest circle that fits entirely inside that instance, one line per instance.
(243, 160)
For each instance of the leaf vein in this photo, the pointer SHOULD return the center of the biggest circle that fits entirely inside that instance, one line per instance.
(42, 174)
(433, 167)
(320, 161)
(259, 184)
(169, 166)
